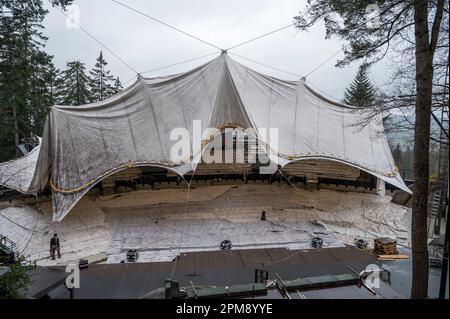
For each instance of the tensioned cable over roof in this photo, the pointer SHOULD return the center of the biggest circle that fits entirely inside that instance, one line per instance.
(82, 145)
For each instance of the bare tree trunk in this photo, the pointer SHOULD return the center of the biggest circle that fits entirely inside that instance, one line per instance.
(424, 75)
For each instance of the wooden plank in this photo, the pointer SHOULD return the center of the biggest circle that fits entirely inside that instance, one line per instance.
(392, 257)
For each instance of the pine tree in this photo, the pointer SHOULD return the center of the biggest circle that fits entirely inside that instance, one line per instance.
(24, 66)
(16, 282)
(53, 83)
(74, 86)
(361, 92)
(101, 82)
(40, 97)
(117, 86)
(8, 107)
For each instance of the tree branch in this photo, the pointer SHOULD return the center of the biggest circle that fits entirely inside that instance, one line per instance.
(436, 26)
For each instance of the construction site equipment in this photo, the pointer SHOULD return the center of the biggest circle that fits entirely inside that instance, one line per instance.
(361, 244)
(225, 245)
(316, 242)
(132, 255)
(435, 257)
(261, 276)
(83, 263)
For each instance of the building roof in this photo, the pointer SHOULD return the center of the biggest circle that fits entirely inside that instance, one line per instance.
(219, 268)
(45, 279)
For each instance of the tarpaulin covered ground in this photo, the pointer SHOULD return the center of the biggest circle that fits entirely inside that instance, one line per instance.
(160, 225)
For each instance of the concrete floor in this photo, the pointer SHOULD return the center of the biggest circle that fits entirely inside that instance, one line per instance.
(160, 225)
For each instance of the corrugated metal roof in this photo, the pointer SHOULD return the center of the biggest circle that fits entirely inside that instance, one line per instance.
(218, 268)
(45, 279)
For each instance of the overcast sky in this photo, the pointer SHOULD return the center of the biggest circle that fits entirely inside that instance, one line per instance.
(146, 45)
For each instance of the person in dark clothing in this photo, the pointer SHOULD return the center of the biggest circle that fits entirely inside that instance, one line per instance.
(54, 247)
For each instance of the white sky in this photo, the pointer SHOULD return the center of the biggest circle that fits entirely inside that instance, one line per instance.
(145, 44)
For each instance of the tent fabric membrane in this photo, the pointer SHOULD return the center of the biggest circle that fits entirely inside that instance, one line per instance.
(82, 145)
(17, 174)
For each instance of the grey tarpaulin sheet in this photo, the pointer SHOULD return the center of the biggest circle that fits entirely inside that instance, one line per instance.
(17, 174)
(82, 145)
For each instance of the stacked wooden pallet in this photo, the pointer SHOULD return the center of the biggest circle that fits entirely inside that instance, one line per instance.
(385, 246)
(322, 168)
(109, 183)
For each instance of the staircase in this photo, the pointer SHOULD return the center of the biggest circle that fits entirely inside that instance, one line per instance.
(434, 204)
(438, 202)
(8, 250)
(434, 214)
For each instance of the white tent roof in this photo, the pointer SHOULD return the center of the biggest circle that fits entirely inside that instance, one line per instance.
(84, 144)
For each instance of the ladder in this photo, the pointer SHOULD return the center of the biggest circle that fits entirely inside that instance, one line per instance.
(438, 202)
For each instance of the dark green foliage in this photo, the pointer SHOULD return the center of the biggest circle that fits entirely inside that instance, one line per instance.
(74, 85)
(15, 283)
(102, 83)
(361, 92)
(29, 82)
(62, 3)
(24, 68)
(117, 86)
(78, 88)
